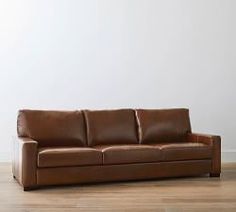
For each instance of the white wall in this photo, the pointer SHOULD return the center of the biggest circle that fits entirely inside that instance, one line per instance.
(69, 54)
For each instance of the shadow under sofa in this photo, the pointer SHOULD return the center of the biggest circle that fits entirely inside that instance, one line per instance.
(70, 147)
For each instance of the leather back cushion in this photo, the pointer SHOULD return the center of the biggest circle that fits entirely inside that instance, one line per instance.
(158, 126)
(52, 128)
(111, 127)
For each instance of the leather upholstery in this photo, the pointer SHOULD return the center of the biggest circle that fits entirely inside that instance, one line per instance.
(215, 142)
(124, 172)
(68, 156)
(126, 154)
(184, 151)
(158, 126)
(111, 127)
(25, 161)
(52, 128)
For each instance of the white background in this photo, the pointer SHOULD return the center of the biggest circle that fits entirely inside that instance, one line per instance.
(75, 54)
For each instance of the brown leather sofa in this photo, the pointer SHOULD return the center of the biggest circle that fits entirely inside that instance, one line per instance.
(69, 147)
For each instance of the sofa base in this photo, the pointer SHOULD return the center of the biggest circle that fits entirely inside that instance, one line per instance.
(30, 188)
(125, 172)
(214, 174)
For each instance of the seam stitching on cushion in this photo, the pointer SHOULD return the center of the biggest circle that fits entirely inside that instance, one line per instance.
(86, 126)
(138, 126)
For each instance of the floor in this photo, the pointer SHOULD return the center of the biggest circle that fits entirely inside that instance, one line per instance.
(172, 195)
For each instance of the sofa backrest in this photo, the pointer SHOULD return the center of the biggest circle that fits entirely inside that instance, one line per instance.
(167, 125)
(52, 128)
(111, 127)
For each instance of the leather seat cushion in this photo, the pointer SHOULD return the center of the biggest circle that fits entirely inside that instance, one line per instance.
(126, 154)
(184, 151)
(68, 156)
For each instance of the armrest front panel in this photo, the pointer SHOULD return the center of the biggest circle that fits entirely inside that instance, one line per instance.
(215, 142)
(25, 161)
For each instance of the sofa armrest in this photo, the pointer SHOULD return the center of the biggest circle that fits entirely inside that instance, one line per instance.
(24, 163)
(215, 142)
(204, 138)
